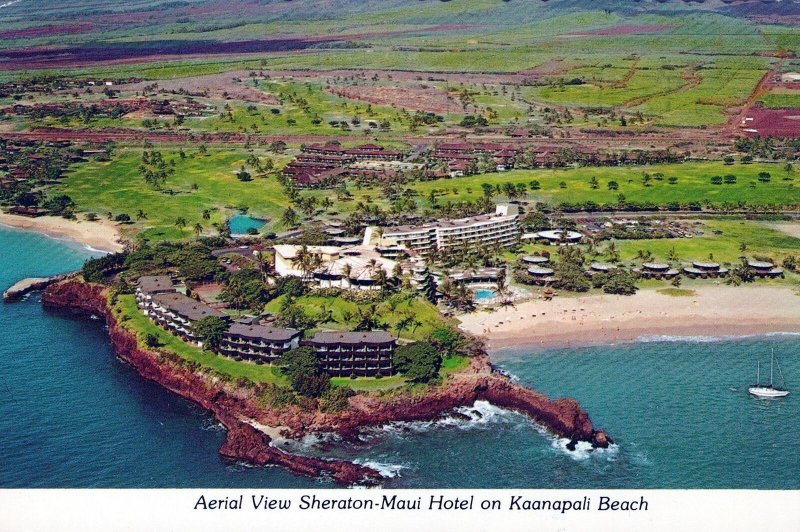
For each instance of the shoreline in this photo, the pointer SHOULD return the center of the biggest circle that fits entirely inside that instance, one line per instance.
(96, 236)
(712, 311)
(254, 428)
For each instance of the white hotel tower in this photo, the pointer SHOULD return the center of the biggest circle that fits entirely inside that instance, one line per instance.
(501, 228)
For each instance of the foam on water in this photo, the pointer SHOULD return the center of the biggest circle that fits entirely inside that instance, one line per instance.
(701, 339)
(386, 470)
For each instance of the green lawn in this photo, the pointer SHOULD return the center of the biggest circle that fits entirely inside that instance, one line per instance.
(721, 239)
(781, 99)
(200, 182)
(644, 83)
(693, 185)
(132, 319)
(330, 313)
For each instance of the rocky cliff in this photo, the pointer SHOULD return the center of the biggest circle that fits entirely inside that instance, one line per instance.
(244, 416)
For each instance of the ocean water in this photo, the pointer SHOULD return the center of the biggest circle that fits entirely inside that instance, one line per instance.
(73, 415)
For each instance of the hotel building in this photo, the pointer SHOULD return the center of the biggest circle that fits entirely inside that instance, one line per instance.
(363, 354)
(500, 228)
(354, 267)
(257, 342)
(176, 312)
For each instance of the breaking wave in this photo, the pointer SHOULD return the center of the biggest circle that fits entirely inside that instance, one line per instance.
(385, 470)
(710, 339)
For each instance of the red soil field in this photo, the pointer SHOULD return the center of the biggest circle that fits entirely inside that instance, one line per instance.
(771, 122)
(45, 31)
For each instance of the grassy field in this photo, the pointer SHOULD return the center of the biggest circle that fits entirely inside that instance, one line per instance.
(200, 182)
(207, 183)
(693, 184)
(603, 93)
(330, 312)
(133, 320)
(781, 99)
(721, 241)
(694, 92)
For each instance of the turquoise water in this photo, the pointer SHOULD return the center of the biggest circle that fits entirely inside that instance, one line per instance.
(72, 415)
(240, 223)
(482, 294)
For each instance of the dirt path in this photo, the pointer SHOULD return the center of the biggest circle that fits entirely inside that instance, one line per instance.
(732, 126)
(689, 76)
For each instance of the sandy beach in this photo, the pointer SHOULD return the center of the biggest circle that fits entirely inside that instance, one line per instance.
(607, 319)
(101, 234)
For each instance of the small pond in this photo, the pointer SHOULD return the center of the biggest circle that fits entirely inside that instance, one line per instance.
(240, 223)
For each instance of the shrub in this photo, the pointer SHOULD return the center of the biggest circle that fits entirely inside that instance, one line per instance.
(302, 368)
(419, 362)
(151, 340)
(210, 331)
(335, 399)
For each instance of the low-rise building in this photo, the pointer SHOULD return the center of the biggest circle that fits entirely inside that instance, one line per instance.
(705, 270)
(177, 312)
(258, 342)
(559, 236)
(361, 354)
(541, 275)
(600, 267)
(762, 268)
(478, 276)
(150, 285)
(350, 267)
(656, 270)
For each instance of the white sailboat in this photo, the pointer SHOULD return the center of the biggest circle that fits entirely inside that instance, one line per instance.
(768, 390)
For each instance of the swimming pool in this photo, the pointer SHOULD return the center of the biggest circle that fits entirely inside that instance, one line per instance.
(484, 294)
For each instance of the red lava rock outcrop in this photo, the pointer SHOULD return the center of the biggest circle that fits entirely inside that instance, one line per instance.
(241, 413)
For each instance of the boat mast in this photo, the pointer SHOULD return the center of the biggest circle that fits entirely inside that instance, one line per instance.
(758, 372)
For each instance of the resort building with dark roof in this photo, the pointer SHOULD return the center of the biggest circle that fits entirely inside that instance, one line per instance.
(150, 285)
(177, 312)
(258, 342)
(541, 275)
(762, 268)
(360, 354)
(705, 270)
(600, 267)
(656, 270)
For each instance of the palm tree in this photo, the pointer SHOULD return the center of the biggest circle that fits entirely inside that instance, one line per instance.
(140, 215)
(347, 272)
(380, 276)
(180, 223)
(198, 230)
(672, 256)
